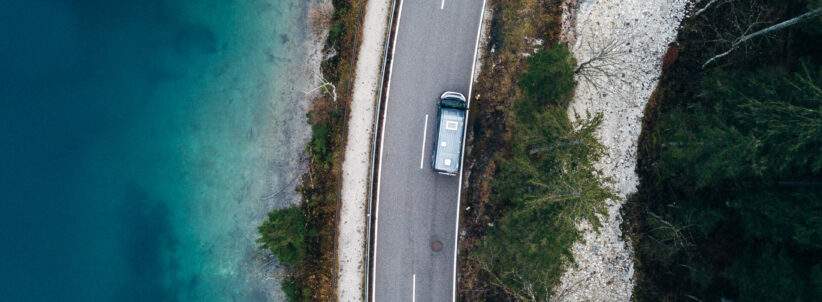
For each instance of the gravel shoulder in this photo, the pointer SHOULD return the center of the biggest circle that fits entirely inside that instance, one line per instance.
(356, 164)
(638, 33)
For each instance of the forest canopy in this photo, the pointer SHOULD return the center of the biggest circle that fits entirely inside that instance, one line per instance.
(730, 162)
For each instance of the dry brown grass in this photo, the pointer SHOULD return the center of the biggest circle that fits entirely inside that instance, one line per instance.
(320, 187)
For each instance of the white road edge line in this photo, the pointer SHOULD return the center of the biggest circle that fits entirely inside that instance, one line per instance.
(442, 4)
(414, 288)
(424, 136)
(382, 140)
(462, 157)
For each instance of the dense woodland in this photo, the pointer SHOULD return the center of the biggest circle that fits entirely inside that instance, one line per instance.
(730, 160)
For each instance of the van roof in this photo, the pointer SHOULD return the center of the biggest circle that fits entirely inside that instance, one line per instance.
(449, 140)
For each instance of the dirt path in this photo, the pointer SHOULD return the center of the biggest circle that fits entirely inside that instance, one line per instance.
(356, 165)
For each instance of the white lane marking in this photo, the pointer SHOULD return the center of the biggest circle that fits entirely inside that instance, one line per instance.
(424, 136)
(414, 288)
(382, 141)
(462, 156)
(442, 4)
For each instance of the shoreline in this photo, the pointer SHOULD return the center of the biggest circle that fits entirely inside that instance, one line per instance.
(295, 130)
(310, 246)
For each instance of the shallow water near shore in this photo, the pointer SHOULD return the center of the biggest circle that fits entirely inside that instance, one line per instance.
(142, 144)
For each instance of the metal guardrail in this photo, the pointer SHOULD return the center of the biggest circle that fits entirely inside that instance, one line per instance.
(375, 147)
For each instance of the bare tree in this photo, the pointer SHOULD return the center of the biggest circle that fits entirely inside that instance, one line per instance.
(749, 34)
(673, 236)
(605, 59)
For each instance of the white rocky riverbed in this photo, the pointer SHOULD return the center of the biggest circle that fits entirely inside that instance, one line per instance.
(630, 37)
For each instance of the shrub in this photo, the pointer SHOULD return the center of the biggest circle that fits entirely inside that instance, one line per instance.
(283, 233)
(319, 142)
(294, 292)
(549, 79)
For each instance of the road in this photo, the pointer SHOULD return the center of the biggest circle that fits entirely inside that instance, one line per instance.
(415, 208)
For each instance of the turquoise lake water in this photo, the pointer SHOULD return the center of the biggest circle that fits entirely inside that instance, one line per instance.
(141, 142)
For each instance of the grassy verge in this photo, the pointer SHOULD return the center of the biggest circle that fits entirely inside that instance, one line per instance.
(729, 162)
(532, 168)
(304, 238)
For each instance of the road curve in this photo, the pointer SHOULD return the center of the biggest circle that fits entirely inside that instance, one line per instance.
(414, 249)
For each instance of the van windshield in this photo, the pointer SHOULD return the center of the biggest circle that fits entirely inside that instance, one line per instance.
(453, 103)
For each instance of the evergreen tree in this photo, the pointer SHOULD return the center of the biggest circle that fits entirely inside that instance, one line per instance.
(283, 233)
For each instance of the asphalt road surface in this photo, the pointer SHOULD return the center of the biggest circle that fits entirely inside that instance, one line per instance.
(416, 209)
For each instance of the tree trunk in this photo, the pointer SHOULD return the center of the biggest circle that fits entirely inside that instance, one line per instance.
(784, 24)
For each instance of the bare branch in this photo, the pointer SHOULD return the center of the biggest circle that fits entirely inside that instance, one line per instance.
(704, 8)
(325, 87)
(780, 26)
